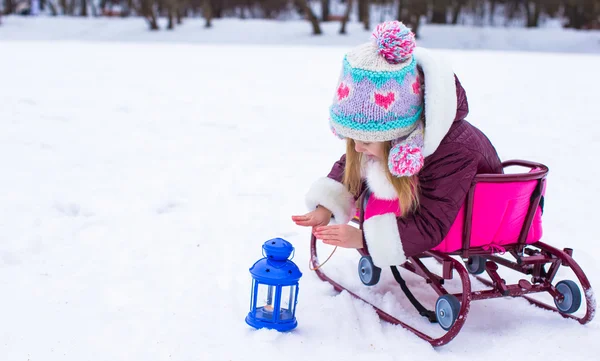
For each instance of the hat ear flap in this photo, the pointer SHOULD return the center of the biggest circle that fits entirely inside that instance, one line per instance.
(406, 156)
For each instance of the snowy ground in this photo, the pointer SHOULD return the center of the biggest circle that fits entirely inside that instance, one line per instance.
(276, 33)
(141, 179)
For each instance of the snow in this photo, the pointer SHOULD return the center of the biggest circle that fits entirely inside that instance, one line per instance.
(141, 178)
(276, 33)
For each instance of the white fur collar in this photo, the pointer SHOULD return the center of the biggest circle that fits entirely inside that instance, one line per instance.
(377, 180)
(440, 97)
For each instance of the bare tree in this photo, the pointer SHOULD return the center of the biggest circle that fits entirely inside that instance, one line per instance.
(364, 6)
(171, 9)
(207, 11)
(512, 8)
(84, 6)
(582, 14)
(492, 11)
(9, 7)
(533, 9)
(439, 9)
(64, 6)
(182, 6)
(146, 9)
(325, 10)
(52, 6)
(456, 10)
(346, 17)
(303, 5)
(410, 14)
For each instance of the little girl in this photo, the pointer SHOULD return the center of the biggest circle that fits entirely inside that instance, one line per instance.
(401, 111)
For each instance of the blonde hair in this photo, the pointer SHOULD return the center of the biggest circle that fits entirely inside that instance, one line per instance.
(407, 188)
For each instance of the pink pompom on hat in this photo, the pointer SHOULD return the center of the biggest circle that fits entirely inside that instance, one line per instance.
(379, 97)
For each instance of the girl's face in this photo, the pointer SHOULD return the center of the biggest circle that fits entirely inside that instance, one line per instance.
(373, 150)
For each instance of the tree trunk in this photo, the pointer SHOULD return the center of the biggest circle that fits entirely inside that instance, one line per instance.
(84, 8)
(63, 5)
(367, 20)
(536, 14)
(582, 14)
(52, 7)
(9, 7)
(171, 14)
(400, 9)
(130, 7)
(411, 14)
(325, 10)
(511, 9)
(217, 8)
(361, 10)
(147, 12)
(208, 13)
(71, 11)
(303, 4)
(532, 9)
(456, 9)
(439, 8)
(94, 9)
(180, 11)
(492, 11)
(346, 16)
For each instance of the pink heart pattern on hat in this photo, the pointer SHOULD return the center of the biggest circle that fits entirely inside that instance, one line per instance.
(343, 91)
(385, 101)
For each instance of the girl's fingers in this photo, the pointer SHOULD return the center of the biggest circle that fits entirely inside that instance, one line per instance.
(327, 232)
(327, 228)
(303, 221)
(329, 237)
(332, 242)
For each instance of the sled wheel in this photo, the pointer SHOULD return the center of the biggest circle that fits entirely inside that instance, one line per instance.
(571, 296)
(369, 273)
(446, 311)
(475, 265)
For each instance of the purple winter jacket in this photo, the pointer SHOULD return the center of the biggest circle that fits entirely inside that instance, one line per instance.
(445, 179)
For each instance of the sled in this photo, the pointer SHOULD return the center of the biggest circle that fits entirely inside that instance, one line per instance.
(473, 248)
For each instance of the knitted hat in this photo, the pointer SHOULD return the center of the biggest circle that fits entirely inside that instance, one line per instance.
(379, 97)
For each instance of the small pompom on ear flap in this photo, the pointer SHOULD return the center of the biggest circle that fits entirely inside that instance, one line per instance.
(406, 156)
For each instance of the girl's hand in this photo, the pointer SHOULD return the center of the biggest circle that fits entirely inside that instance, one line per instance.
(319, 217)
(343, 235)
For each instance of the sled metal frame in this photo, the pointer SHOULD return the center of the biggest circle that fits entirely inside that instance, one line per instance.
(529, 259)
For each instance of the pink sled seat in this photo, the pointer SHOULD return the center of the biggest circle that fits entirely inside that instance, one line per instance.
(499, 210)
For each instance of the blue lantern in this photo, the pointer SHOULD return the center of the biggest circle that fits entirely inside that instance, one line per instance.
(274, 288)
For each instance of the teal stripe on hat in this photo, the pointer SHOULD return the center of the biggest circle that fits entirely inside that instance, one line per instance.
(379, 78)
(360, 122)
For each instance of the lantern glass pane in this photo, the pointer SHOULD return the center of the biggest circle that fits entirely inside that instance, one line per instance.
(265, 301)
(252, 295)
(288, 296)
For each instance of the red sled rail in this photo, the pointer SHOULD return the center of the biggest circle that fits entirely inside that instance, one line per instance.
(539, 261)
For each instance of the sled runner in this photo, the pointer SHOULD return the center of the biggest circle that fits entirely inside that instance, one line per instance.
(501, 216)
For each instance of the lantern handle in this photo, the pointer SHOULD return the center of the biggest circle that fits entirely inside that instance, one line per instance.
(293, 253)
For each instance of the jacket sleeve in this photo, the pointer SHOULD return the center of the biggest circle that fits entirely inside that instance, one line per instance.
(444, 183)
(332, 194)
